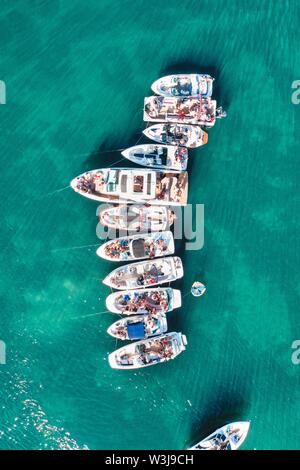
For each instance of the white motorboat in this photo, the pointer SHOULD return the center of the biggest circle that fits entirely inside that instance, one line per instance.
(133, 185)
(148, 352)
(137, 218)
(229, 437)
(140, 246)
(145, 273)
(142, 301)
(164, 157)
(139, 327)
(193, 84)
(199, 111)
(183, 135)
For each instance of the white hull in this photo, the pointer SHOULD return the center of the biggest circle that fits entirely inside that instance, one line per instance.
(145, 273)
(183, 135)
(126, 185)
(137, 218)
(143, 301)
(163, 157)
(148, 352)
(229, 437)
(135, 247)
(184, 85)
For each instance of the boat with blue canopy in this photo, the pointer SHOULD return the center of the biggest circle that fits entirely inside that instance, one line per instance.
(139, 327)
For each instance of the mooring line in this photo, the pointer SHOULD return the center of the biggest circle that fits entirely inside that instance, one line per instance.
(74, 247)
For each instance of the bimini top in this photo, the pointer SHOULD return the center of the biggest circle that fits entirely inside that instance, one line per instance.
(193, 84)
(136, 330)
(133, 185)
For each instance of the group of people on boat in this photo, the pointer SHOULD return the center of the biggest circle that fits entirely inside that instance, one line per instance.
(192, 109)
(85, 183)
(151, 323)
(148, 302)
(156, 350)
(171, 188)
(120, 249)
(117, 249)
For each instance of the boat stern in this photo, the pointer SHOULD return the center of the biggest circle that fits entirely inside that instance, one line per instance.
(178, 267)
(176, 300)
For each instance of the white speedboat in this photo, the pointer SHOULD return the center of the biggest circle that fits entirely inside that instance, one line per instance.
(148, 352)
(229, 437)
(183, 135)
(139, 327)
(142, 301)
(139, 246)
(192, 84)
(133, 185)
(137, 218)
(145, 273)
(164, 157)
(199, 111)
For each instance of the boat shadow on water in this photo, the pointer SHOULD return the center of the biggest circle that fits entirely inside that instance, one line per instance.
(225, 408)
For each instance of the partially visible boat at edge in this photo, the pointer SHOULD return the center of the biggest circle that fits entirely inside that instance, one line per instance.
(142, 301)
(148, 352)
(133, 185)
(192, 84)
(182, 135)
(139, 327)
(145, 273)
(141, 246)
(163, 157)
(137, 217)
(229, 437)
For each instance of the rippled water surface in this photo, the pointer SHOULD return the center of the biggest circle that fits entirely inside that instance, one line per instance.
(76, 74)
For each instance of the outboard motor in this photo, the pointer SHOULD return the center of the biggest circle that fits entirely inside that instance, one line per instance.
(220, 113)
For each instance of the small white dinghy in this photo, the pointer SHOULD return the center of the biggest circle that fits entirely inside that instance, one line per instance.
(229, 437)
(164, 157)
(183, 135)
(148, 352)
(139, 327)
(142, 301)
(141, 246)
(145, 273)
(199, 111)
(198, 289)
(192, 84)
(137, 218)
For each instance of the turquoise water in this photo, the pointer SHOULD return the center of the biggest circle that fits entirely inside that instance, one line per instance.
(76, 74)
